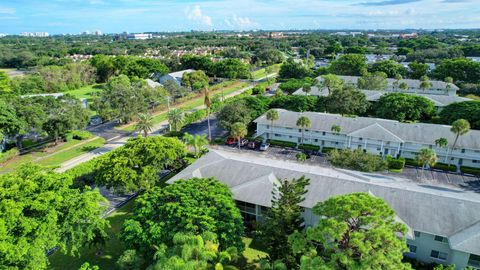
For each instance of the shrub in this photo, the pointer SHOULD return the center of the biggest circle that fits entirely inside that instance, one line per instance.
(195, 116)
(83, 174)
(258, 90)
(412, 162)
(177, 134)
(445, 167)
(357, 160)
(218, 141)
(7, 155)
(309, 147)
(282, 143)
(470, 170)
(395, 164)
(327, 150)
(81, 134)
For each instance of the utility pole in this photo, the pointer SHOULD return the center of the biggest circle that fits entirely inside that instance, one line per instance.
(168, 108)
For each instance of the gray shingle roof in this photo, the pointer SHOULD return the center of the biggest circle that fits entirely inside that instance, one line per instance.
(415, 133)
(431, 209)
(411, 83)
(373, 95)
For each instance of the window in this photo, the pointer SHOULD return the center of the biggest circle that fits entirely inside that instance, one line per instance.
(417, 234)
(360, 139)
(440, 239)
(278, 135)
(438, 255)
(474, 260)
(268, 126)
(299, 130)
(323, 133)
(412, 248)
(378, 149)
(475, 161)
(316, 140)
(246, 207)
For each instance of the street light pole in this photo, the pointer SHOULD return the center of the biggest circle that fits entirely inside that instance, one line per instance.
(168, 106)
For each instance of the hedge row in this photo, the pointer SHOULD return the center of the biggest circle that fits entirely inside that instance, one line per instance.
(282, 143)
(470, 170)
(445, 167)
(396, 163)
(327, 150)
(7, 155)
(309, 147)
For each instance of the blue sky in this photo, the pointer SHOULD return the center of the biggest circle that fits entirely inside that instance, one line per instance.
(111, 16)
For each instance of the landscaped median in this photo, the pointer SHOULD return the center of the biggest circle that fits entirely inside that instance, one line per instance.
(56, 155)
(223, 89)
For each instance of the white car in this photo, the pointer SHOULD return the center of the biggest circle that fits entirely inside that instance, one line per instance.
(264, 146)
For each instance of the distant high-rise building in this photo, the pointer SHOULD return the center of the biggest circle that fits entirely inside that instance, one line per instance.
(139, 36)
(34, 34)
(97, 33)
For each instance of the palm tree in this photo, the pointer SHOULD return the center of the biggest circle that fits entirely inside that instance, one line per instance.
(175, 119)
(442, 143)
(449, 81)
(238, 130)
(272, 115)
(303, 122)
(426, 157)
(396, 83)
(425, 83)
(336, 129)
(208, 103)
(307, 88)
(301, 157)
(144, 123)
(459, 127)
(197, 142)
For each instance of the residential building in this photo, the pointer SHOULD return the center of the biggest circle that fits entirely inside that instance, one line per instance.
(34, 34)
(373, 135)
(413, 86)
(439, 101)
(174, 76)
(443, 223)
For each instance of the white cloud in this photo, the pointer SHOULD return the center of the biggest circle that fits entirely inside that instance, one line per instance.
(5, 10)
(240, 22)
(195, 14)
(96, 2)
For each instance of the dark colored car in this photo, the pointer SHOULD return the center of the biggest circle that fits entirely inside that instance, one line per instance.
(243, 142)
(252, 145)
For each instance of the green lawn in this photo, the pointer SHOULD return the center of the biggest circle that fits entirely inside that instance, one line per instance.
(257, 74)
(86, 92)
(109, 254)
(228, 88)
(55, 159)
(59, 158)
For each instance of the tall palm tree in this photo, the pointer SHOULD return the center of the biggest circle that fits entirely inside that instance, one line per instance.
(426, 157)
(396, 83)
(144, 123)
(175, 119)
(307, 88)
(336, 129)
(208, 103)
(460, 127)
(238, 130)
(442, 143)
(272, 115)
(303, 122)
(197, 142)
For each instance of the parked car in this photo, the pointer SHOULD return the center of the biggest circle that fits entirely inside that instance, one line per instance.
(264, 146)
(252, 145)
(95, 120)
(243, 142)
(230, 141)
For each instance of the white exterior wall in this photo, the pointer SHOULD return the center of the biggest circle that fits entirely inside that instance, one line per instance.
(460, 157)
(426, 242)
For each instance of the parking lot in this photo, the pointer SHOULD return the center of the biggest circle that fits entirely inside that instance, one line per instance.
(427, 177)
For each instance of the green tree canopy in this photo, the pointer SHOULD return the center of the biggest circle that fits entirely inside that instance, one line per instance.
(356, 231)
(39, 211)
(136, 165)
(468, 110)
(389, 67)
(233, 113)
(402, 107)
(417, 70)
(347, 100)
(349, 64)
(284, 218)
(461, 70)
(4, 82)
(192, 206)
(195, 80)
(292, 70)
(373, 81)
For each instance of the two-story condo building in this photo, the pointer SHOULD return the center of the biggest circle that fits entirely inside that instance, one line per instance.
(443, 223)
(373, 135)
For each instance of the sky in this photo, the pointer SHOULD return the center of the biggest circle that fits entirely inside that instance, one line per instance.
(115, 16)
